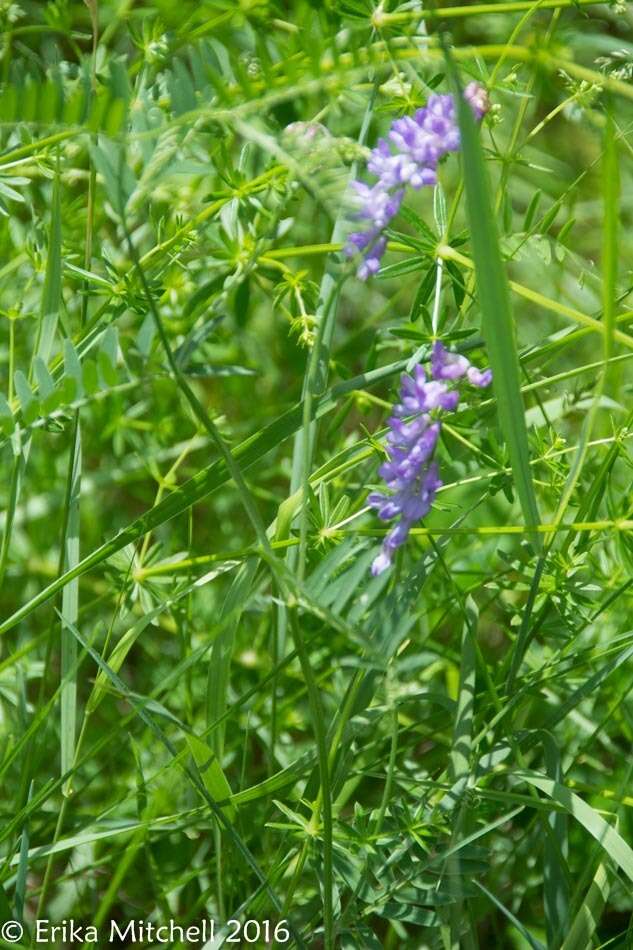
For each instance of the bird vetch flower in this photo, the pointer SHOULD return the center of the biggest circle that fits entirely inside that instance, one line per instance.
(411, 474)
(420, 142)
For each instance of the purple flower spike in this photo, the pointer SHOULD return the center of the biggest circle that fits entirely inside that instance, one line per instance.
(410, 473)
(407, 157)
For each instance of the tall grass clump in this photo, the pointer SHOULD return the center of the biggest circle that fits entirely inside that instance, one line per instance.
(316, 327)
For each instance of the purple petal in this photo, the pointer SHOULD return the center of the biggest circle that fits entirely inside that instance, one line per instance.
(445, 365)
(397, 536)
(481, 378)
(381, 563)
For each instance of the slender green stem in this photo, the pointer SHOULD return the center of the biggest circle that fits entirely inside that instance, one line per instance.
(46, 882)
(315, 380)
(391, 770)
(476, 9)
(318, 723)
(487, 530)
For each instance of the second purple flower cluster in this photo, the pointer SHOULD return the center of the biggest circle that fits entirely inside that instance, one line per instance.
(420, 142)
(411, 473)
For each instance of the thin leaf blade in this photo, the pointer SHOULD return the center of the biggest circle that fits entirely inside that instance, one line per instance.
(494, 299)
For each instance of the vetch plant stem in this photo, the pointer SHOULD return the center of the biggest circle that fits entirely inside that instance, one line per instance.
(479, 9)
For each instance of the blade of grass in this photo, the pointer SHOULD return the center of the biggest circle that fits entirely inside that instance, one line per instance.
(52, 290)
(609, 839)
(459, 768)
(527, 936)
(583, 927)
(218, 687)
(20, 884)
(494, 299)
(461, 746)
(555, 849)
(70, 610)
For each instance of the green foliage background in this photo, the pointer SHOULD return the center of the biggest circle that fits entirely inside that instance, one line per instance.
(208, 708)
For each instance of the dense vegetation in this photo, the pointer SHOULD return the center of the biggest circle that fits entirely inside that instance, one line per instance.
(209, 707)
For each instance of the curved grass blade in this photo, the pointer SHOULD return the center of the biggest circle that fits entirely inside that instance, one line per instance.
(581, 933)
(611, 840)
(496, 310)
(527, 936)
(70, 611)
(555, 851)
(52, 290)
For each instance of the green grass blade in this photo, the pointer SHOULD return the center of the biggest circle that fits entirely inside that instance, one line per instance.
(527, 936)
(70, 610)
(611, 203)
(494, 299)
(610, 839)
(583, 928)
(52, 290)
(218, 680)
(555, 849)
(222, 651)
(17, 471)
(461, 748)
(459, 767)
(210, 769)
(23, 865)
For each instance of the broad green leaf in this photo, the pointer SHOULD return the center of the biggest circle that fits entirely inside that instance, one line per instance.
(90, 376)
(7, 423)
(107, 357)
(118, 178)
